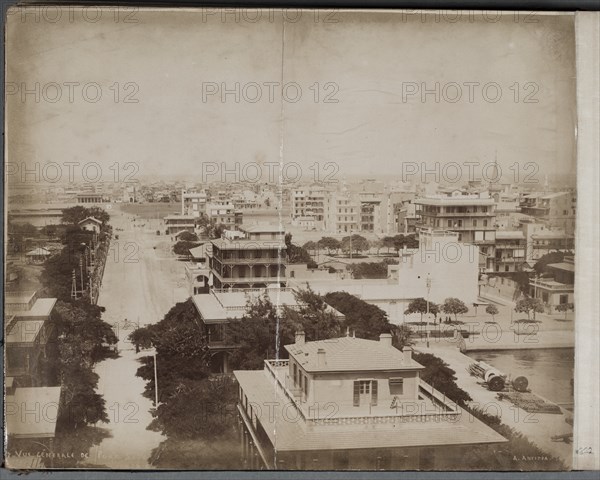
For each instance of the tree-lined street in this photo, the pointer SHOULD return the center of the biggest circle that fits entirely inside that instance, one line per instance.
(141, 283)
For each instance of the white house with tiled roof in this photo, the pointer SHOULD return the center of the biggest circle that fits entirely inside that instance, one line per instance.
(351, 403)
(91, 224)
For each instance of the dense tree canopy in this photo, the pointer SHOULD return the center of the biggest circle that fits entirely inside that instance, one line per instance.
(422, 306)
(454, 306)
(330, 244)
(188, 237)
(440, 376)
(76, 214)
(354, 244)
(369, 270)
(529, 305)
(296, 254)
(541, 266)
(183, 247)
(365, 319)
(181, 349)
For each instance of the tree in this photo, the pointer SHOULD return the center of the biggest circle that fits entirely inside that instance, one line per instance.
(310, 245)
(313, 316)
(141, 337)
(74, 215)
(541, 266)
(18, 234)
(354, 243)
(297, 254)
(198, 409)
(365, 319)
(183, 247)
(420, 305)
(400, 241)
(181, 351)
(388, 242)
(81, 337)
(258, 335)
(528, 305)
(565, 307)
(378, 245)
(369, 270)
(492, 310)
(188, 237)
(330, 244)
(454, 306)
(440, 376)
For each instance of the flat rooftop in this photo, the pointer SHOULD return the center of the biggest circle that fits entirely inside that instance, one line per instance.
(454, 201)
(23, 331)
(248, 244)
(32, 412)
(41, 308)
(274, 414)
(219, 307)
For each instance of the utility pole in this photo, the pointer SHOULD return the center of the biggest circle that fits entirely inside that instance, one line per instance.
(428, 284)
(155, 381)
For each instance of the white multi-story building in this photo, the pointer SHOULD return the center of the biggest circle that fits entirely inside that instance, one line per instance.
(471, 216)
(308, 201)
(193, 203)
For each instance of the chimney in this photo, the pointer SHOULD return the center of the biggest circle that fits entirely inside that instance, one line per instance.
(386, 339)
(299, 337)
(321, 357)
(407, 354)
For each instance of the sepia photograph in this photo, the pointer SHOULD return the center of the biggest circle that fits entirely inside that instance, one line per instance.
(249, 239)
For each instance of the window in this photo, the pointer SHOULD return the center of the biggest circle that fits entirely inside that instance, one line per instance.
(365, 391)
(396, 385)
(295, 369)
(485, 223)
(564, 299)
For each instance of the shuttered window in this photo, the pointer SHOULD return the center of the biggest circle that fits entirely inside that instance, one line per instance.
(356, 393)
(374, 392)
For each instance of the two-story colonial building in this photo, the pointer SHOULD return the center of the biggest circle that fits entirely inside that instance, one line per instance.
(256, 258)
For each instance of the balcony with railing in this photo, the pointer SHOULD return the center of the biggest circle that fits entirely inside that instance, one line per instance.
(431, 405)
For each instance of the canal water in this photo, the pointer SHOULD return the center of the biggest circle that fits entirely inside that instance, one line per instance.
(549, 371)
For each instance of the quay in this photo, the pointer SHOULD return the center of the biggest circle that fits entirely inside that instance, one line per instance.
(537, 427)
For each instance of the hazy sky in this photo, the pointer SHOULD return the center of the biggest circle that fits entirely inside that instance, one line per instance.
(374, 64)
